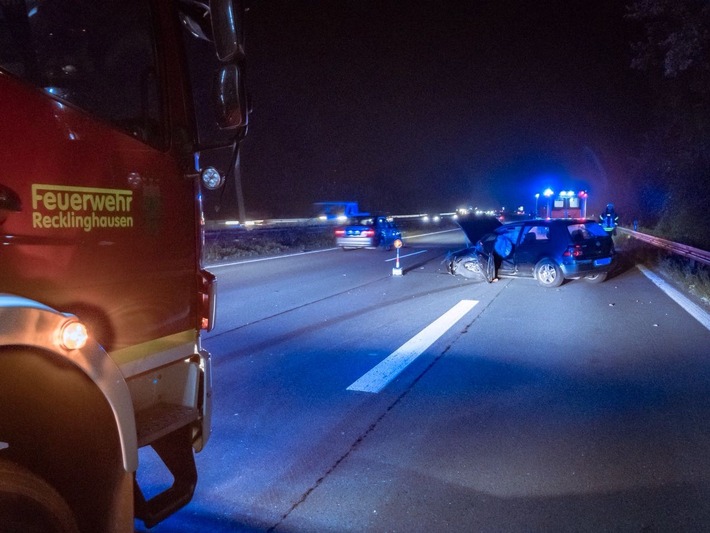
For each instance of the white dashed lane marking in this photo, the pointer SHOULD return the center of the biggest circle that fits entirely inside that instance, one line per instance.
(377, 379)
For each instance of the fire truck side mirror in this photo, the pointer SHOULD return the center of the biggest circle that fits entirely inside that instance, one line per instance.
(226, 29)
(229, 98)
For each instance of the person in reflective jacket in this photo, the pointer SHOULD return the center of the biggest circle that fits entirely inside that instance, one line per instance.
(609, 219)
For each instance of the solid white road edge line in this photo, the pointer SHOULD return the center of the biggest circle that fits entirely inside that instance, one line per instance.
(271, 258)
(407, 255)
(377, 379)
(697, 312)
(409, 237)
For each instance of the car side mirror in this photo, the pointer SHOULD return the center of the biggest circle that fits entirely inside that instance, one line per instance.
(229, 98)
(226, 29)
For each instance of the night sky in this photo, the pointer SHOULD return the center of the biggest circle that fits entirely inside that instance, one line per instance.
(425, 106)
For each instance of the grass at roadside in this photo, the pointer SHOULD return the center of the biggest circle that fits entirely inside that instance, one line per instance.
(269, 241)
(691, 277)
(220, 246)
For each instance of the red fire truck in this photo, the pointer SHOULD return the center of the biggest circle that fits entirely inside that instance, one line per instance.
(114, 116)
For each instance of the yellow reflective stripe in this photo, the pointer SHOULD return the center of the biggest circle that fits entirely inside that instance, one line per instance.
(146, 349)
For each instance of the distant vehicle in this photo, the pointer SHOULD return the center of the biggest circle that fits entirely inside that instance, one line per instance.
(368, 232)
(550, 251)
(337, 210)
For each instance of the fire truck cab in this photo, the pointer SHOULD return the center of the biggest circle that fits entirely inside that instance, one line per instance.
(116, 116)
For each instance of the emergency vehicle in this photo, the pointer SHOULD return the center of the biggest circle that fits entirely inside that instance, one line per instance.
(566, 204)
(115, 116)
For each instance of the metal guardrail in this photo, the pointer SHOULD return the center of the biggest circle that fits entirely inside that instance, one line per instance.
(681, 249)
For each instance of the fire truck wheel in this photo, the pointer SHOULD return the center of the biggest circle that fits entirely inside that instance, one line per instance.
(30, 504)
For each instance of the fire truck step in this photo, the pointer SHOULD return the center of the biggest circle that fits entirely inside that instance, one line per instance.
(160, 419)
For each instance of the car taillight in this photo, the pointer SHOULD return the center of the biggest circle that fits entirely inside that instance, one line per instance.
(339, 232)
(573, 251)
(368, 233)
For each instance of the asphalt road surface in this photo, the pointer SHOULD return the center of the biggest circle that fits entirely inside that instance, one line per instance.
(349, 399)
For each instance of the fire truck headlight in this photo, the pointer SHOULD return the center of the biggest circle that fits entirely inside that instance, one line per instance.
(211, 178)
(73, 335)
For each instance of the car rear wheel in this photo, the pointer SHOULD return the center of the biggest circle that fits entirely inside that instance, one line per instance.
(597, 277)
(548, 273)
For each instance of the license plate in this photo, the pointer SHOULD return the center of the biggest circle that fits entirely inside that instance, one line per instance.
(601, 262)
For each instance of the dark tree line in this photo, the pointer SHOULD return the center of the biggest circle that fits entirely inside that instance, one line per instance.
(673, 166)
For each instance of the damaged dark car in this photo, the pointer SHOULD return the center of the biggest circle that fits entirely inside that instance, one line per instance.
(550, 251)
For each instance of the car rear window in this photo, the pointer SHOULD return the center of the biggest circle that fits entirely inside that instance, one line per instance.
(586, 230)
